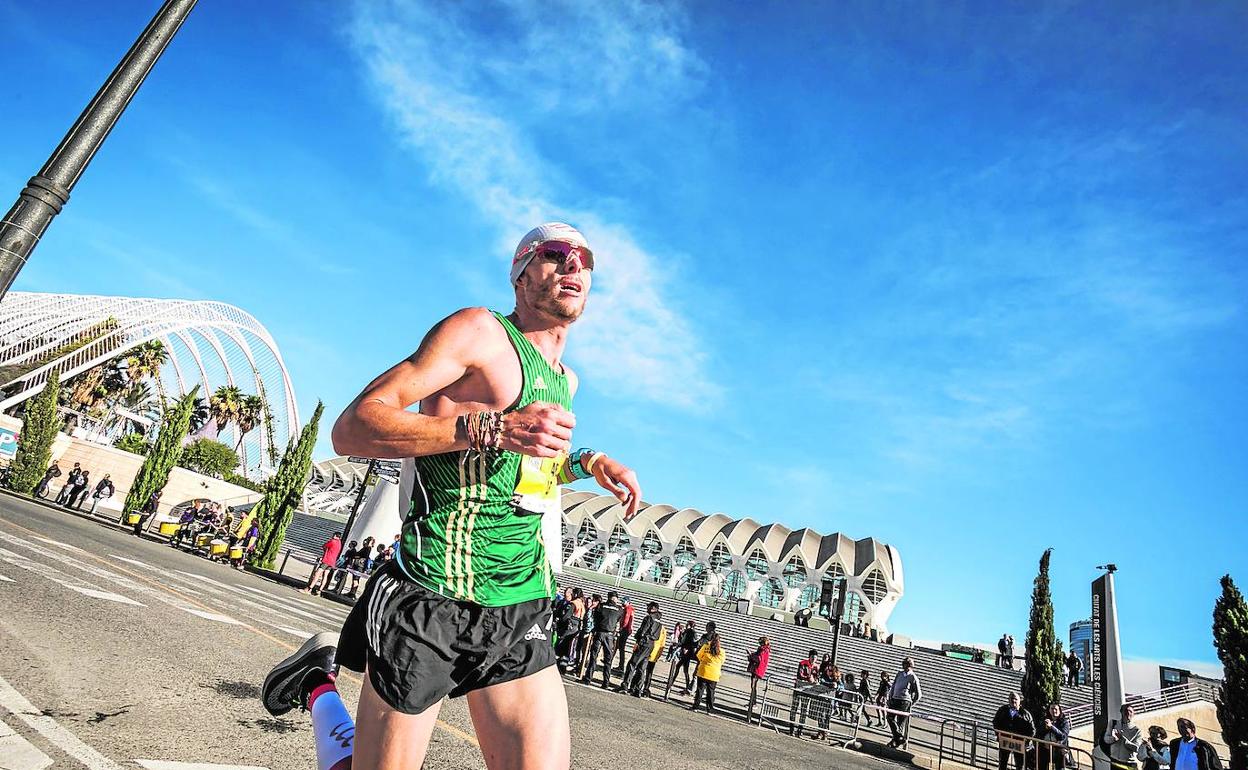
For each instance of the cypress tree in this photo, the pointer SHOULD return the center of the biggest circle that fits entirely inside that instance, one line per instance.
(1042, 681)
(40, 424)
(163, 455)
(1230, 636)
(283, 492)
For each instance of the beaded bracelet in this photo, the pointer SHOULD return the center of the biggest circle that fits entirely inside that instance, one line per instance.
(483, 429)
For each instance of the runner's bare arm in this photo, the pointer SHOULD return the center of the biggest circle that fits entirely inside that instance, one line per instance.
(377, 423)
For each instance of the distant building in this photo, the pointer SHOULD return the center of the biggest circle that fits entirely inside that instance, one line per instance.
(1081, 643)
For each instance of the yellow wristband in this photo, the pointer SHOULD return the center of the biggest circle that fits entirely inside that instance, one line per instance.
(595, 457)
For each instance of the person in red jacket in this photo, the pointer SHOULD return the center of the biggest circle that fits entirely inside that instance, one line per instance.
(626, 629)
(325, 567)
(758, 661)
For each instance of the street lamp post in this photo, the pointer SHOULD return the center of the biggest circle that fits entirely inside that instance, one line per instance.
(48, 191)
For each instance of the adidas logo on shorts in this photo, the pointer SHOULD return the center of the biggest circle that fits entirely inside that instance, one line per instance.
(535, 633)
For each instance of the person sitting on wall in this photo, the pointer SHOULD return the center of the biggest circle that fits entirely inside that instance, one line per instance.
(103, 491)
(74, 474)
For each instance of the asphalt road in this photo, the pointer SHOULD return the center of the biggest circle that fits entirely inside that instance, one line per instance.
(118, 652)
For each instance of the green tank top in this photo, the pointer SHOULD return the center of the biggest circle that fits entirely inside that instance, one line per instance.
(474, 523)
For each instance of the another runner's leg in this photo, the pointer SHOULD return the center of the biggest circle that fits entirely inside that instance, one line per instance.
(523, 724)
(390, 738)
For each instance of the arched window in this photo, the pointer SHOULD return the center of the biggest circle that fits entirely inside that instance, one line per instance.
(568, 546)
(795, 572)
(587, 533)
(685, 552)
(661, 572)
(695, 578)
(757, 565)
(834, 571)
(720, 557)
(619, 539)
(734, 585)
(626, 565)
(809, 596)
(651, 545)
(592, 559)
(854, 608)
(874, 586)
(771, 593)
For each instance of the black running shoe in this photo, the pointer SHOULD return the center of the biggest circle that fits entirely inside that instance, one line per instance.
(283, 687)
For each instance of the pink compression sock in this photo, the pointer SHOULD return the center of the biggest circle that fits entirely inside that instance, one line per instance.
(333, 728)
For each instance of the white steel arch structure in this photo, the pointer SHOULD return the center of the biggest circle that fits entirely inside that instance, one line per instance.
(209, 344)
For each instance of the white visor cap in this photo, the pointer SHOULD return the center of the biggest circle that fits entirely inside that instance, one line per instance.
(551, 231)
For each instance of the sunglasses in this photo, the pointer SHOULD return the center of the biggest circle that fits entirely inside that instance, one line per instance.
(558, 251)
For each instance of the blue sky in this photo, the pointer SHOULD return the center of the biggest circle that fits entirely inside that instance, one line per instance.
(966, 279)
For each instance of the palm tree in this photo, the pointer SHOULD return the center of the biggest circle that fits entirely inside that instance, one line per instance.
(223, 406)
(145, 361)
(199, 414)
(250, 410)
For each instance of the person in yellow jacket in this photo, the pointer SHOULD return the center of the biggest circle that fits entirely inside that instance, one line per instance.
(710, 662)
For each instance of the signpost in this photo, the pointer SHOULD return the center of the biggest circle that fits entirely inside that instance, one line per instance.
(1105, 670)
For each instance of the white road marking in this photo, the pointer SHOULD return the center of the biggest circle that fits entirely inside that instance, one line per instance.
(5, 579)
(125, 582)
(17, 753)
(156, 764)
(15, 703)
(294, 631)
(171, 581)
(59, 544)
(255, 595)
(56, 576)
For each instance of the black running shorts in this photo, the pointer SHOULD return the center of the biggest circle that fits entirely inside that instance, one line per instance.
(421, 646)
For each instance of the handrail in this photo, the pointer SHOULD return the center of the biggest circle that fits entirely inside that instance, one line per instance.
(1016, 744)
(1176, 695)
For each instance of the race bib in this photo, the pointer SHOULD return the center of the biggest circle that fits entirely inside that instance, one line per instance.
(538, 484)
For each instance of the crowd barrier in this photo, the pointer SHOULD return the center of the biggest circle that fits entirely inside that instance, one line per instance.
(974, 744)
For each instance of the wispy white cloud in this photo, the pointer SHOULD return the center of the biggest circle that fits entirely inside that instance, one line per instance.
(470, 100)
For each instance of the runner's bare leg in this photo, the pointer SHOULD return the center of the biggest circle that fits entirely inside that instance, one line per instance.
(386, 738)
(523, 724)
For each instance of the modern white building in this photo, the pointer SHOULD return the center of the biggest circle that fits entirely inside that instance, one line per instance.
(210, 344)
(714, 555)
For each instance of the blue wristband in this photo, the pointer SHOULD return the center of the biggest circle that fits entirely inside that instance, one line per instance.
(575, 468)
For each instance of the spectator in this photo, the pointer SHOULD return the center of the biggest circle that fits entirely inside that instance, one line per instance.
(53, 471)
(329, 559)
(829, 674)
(688, 652)
(902, 695)
(75, 473)
(186, 524)
(864, 689)
(1124, 739)
(586, 640)
(626, 629)
(802, 617)
(345, 559)
(675, 646)
(1014, 726)
(1056, 729)
(648, 632)
(103, 491)
(1001, 646)
(570, 626)
(710, 662)
(1155, 752)
(1073, 665)
(1187, 752)
(606, 627)
(757, 664)
(77, 490)
(249, 541)
(807, 676)
(1009, 652)
(148, 511)
(881, 696)
(655, 652)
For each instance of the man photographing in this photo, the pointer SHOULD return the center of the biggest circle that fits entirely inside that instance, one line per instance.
(464, 607)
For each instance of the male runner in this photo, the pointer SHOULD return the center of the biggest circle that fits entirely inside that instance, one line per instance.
(464, 608)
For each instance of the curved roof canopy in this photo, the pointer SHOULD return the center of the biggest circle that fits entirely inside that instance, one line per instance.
(209, 343)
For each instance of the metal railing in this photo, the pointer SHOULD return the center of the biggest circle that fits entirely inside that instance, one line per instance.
(980, 745)
(1178, 695)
